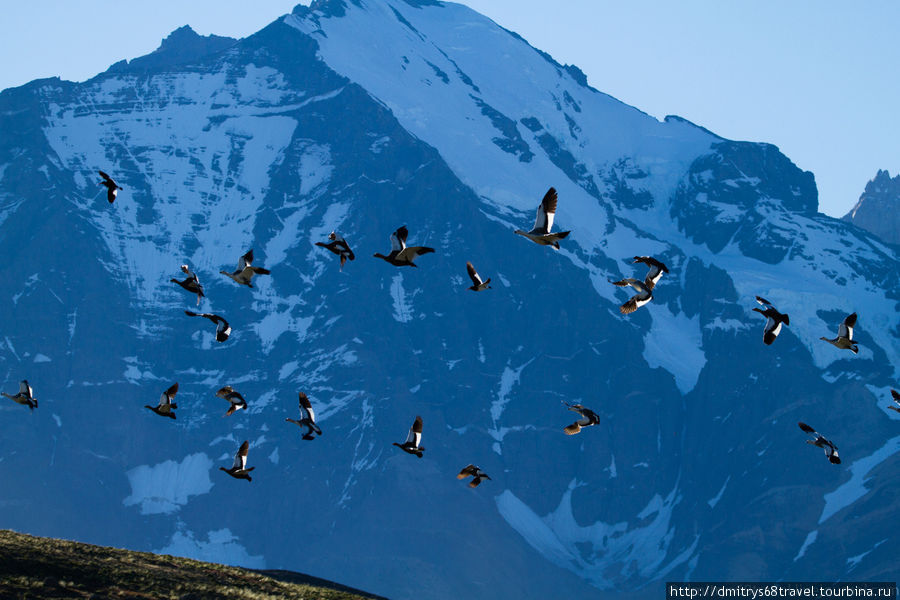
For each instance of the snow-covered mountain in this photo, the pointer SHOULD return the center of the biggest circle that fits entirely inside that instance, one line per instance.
(365, 115)
(878, 208)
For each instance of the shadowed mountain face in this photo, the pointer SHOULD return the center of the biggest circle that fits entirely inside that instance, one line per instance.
(878, 209)
(365, 116)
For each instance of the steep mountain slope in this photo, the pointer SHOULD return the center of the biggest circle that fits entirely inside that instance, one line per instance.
(364, 116)
(877, 208)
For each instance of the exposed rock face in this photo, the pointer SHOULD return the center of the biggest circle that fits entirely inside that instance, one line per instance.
(878, 209)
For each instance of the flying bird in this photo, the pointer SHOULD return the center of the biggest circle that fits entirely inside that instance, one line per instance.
(844, 339)
(477, 283)
(475, 472)
(25, 396)
(112, 188)
(643, 296)
(656, 270)
(896, 396)
(402, 255)
(191, 283)
(831, 451)
(774, 320)
(339, 246)
(412, 445)
(307, 418)
(239, 469)
(245, 270)
(166, 408)
(223, 329)
(543, 223)
(237, 401)
(588, 418)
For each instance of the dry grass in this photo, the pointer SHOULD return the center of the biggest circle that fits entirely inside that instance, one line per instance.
(34, 567)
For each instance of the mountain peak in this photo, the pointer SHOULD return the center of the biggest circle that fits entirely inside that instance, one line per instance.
(876, 210)
(182, 46)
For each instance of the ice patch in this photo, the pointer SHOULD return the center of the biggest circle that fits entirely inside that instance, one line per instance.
(810, 539)
(164, 488)
(853, 561)
(403, 310)
(221, 546)
(715, 500)
(674, 343)
(615, 548)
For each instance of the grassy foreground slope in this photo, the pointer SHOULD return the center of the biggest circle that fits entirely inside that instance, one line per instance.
(35, 567)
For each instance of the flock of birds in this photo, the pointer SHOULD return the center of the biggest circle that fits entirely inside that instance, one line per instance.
(402, 255)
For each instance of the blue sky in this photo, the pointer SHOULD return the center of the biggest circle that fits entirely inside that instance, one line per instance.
(818, 78)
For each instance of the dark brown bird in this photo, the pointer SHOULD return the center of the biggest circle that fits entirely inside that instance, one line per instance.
(237, 401)
(477, 283)
(402, 255)
(191, 283)
(239, 469)
(643, 296)
(588, 418)
(656, 270)
(166, 408)
(774, 320)
(896, 396)
(831, 451)
(112, 188)
(339, 246)
(412, 445)
(223, 329)
(476, 473)
(307, 418)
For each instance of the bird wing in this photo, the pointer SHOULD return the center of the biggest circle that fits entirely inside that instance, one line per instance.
(306, 410)
(398, 239)
(107, 178)
(653, 277)
(410, 253)
(467, 471)
(240, 459)
(545, 212)
(473, 274)
(572, 429)
(170, 393)
(896, 395)
(245, 261)
(24, 388)
(846, 328)
(415, 433)
(807, 428)
(629, 307)
(764, 302)
(215, 319)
